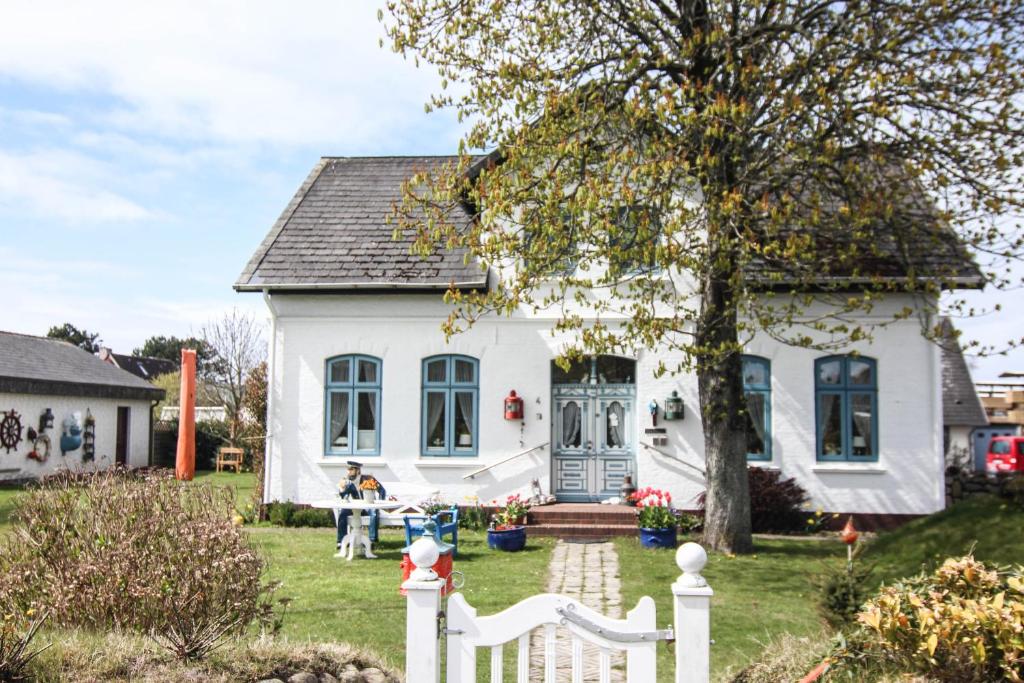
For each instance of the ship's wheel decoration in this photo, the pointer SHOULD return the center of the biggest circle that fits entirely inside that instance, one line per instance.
(10, 430)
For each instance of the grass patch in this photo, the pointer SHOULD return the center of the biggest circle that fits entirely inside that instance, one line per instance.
(243, 484)
(990, 525)
(358, 602)
(7, 498)
(756, 598)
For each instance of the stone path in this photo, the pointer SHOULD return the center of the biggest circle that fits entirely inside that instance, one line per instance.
(588, 572)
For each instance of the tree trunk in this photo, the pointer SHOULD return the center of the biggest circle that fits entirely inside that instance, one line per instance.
(720, 385)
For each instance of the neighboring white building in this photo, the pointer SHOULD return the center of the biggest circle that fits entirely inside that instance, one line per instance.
(98, 414)
(359, 369)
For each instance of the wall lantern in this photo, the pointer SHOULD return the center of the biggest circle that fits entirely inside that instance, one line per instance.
(513, 406)
(46, 420)
(674, 407)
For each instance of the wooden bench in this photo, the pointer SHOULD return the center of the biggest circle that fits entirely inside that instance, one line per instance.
(230, 457)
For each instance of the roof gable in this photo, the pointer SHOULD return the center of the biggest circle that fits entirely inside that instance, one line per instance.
(334, 235)
(960, 402)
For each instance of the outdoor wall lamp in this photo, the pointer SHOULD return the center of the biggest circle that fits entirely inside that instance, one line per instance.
(46, 420)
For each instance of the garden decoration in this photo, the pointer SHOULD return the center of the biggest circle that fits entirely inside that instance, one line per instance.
(10, 430)
(508, 531)
(71, 433)
(40, 446)
(368, 488)
(442, 566)
(89, 438)
(351, 487)
(849, 535)
(655, 518)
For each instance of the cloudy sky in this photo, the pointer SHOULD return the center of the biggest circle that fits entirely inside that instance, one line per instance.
(146, 149)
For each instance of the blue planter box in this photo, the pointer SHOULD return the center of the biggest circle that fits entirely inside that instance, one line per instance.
(508, 539)
(658, 538)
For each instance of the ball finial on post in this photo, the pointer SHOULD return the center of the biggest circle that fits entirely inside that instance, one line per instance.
(424, 553)
(691, 558)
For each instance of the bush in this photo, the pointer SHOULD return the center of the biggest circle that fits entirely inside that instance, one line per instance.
(289, 514)
(149, 554)
(312, 517)
(964, 622)
(842, 591)
(776, 504)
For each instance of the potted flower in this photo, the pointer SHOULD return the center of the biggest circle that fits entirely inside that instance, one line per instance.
(655, 517)
(507, 530)
(368, 489)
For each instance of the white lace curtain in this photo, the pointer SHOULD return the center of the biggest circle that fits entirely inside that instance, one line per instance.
(571, 424)
(616, 417)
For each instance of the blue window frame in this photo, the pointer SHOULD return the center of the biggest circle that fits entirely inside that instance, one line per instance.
(451, 397)
(846, 408)
(352, 405)
(757, 390)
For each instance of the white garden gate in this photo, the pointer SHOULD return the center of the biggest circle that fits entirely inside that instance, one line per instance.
(637, 635)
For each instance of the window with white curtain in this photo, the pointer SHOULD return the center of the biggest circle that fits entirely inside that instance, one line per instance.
(352, 398)
(757, 392)
(846, 398)
(451, 390)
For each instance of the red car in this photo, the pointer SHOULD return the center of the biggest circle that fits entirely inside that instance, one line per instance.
(1005, 454)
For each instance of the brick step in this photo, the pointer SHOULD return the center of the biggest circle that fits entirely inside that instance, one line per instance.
(582, 530)
(610, 517)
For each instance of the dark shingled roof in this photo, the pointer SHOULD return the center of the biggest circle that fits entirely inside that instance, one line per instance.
(145, 367)
(333, 234)
(38, 365)
(960, 403)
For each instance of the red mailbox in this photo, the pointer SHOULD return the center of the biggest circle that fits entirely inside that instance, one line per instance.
(513, 406)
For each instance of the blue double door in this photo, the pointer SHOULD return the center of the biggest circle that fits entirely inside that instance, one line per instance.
(594, 441)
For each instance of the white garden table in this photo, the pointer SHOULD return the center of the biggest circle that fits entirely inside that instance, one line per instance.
(355, 536)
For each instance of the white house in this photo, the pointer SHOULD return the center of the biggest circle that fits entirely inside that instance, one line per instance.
(62, 408)
(359, 369)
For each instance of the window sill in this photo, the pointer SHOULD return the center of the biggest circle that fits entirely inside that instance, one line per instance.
(447, 461)
(369, 461)
(853, 468)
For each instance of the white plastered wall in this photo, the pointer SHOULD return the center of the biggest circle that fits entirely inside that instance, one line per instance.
(515, 353)
(17, 465)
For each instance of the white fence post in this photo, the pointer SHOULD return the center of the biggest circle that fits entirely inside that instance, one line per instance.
(423, 602)
(692, 616)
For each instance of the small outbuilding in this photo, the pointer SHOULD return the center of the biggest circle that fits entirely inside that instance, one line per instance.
(62, 407)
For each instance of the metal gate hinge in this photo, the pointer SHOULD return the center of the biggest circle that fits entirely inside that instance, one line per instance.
(569, 614)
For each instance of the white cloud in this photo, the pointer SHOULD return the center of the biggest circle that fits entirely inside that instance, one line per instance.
(62, 185)
(309, 73)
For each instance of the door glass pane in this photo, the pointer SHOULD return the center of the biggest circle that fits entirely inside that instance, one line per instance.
(860, 424)
(340, 371)
(366, 419)
(339, 421)
(860, 373)
(572, 422)
(615, 425)
(756, 424)
(463, 407)
(754, 374)
(464, 372)
(436, 420)
(830, 372)
(367, 372)
(437, 370)
(830, 414)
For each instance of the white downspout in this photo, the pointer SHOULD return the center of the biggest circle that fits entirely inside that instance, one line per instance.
(271, 384)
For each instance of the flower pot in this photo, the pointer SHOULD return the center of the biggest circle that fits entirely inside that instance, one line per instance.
(370, 495)
(658, 538)
(507, 539)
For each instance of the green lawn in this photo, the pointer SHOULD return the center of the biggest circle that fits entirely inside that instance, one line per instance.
(7, 496)
(756, 596)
